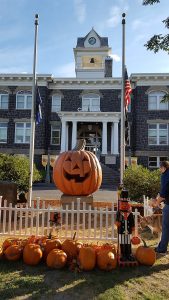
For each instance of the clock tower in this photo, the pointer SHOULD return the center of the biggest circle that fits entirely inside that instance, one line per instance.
(92, 56)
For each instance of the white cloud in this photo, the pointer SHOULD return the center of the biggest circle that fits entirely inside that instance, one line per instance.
(115, 17)
(136, 24)
(80, 10)
(115, 57)
(67, 70)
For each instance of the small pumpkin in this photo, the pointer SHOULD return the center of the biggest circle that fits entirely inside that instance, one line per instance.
(50, 245)
(145, 255)
(87, 258)
(56, 259)
(135, 240)
(13, 252)
(9, 242)
(106, 260)
(32, 254)
(69, 246)
(77, 172)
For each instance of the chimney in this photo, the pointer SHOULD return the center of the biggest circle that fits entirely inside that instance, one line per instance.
(108, 67)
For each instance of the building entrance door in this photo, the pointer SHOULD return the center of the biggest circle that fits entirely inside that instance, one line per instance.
(92, 134)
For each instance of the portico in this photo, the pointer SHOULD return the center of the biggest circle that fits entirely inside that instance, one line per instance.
(91, 118)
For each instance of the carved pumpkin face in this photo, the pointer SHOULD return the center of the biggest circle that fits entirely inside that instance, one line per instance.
(77, 172)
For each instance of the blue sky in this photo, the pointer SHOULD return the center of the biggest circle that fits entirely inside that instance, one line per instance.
(62, 21)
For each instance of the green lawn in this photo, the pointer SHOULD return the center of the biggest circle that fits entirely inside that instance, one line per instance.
(18, 281)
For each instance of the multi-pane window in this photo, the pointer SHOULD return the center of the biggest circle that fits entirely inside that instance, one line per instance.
(55, 135)
(154, 161)
(22, 133)
(154, 101)
(91, 102)
(23, 101)
(158, 134)
(3, 132)
(56, 103)
(4, 101)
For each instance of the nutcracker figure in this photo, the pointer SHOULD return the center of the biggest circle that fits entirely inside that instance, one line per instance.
(125, 227)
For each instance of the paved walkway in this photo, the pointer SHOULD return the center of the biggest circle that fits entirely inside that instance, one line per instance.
(46, 192)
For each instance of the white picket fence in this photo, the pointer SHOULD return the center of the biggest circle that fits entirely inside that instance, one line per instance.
(89, 223)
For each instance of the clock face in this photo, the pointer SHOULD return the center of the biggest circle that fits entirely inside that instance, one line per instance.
(92, 40)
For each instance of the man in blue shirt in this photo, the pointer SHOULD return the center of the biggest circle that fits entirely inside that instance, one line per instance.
(164, 197)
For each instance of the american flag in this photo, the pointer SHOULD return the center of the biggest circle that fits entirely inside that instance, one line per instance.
(128, 90)
(38, 106)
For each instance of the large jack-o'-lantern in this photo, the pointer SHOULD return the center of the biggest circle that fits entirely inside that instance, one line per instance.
(77, 172)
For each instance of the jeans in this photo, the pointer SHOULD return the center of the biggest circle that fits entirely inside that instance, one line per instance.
(162, 247)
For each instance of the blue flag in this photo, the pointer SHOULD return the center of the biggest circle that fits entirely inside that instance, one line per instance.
(38, 106)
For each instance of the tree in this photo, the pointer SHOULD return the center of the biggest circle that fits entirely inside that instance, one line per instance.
(158, 41)
(16, 169)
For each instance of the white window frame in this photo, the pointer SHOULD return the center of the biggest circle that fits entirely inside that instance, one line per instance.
(90, 98)
(159, 95)
(1, 95)
(25, 100)
(24, 128)
(158, 160)
(158, 129)
(54, 129)
(6, 133)
(56, 106)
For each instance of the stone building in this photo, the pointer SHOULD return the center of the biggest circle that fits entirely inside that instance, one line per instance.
(87, 106)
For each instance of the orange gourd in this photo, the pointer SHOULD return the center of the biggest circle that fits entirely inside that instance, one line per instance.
(32, 254)
(50, 245)
(77, 172)
(56, 259)
(106, 260)
(87, 258)
(145, 255)
(9, 242)
(13, 252)
(135, 240)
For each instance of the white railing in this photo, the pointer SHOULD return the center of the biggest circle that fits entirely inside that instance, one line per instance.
(148, 210)
(89, 223)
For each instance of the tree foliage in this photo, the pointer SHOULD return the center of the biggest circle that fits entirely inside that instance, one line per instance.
(158, 41)
(140, 181)
(16, 169)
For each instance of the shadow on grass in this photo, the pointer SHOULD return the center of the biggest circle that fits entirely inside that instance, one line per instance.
(39, 282)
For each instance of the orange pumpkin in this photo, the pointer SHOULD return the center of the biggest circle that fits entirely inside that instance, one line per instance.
(9, 242)
(135, 240)
(87, 258)
(32, 254)
(145, 255)
(1, 253)
(70, 248)
(13, 252)
(77, 172)
(50, 245)
(56, 259)
(106, 260)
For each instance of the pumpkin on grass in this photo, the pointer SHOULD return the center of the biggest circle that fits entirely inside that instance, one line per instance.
(87, 258)
(69, 246)
(106, 260)
(50, 245)
(32, 254)
(145, 255)
(13, 252)
(77, 172)
(56, 259)
(9, 242)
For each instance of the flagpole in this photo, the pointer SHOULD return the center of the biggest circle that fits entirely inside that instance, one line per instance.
(122, 141)
(32, 136)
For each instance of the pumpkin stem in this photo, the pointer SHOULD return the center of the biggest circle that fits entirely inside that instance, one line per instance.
(144, 243)
(74, 236)
(80, 145)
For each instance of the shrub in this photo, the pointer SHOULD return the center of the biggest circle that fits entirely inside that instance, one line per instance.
(140, 181)
(16, 169)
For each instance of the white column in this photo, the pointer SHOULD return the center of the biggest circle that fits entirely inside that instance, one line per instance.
(63, 137)
(116, 138)
(112, 138)
(74, 134)
(67, 127)
(104, 138)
